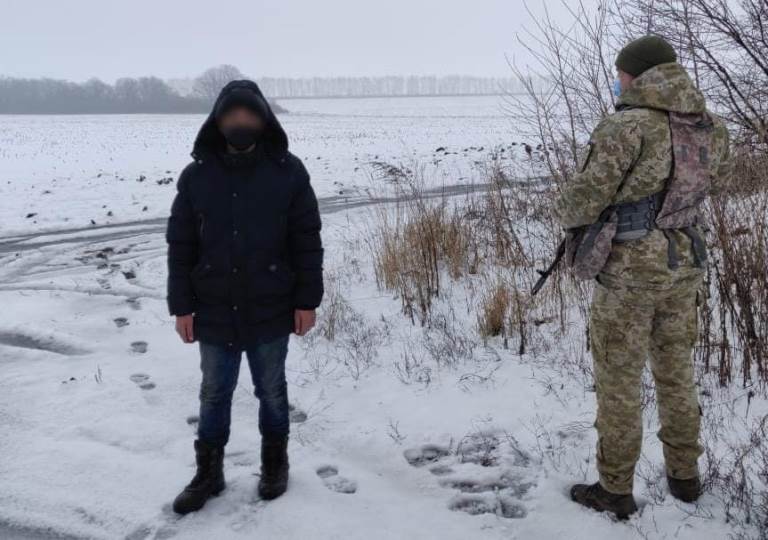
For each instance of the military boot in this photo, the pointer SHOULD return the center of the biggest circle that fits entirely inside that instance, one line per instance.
(207, 482)
(685, 490)
(597, 498)
(274, 466)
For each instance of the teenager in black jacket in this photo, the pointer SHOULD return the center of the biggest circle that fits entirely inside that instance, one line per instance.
(244, 271)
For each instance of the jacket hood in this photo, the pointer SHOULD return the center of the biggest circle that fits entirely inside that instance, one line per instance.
(667, 87)
(209, 139)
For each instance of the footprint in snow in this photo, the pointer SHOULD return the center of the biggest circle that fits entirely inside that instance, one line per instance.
(139, 347)
(483, 504)
(426, 454)
(479, 448)
(121, 321)
(142, 381)
(134, 302)
(103, 283)
(330, 477)
(296, 416)
(492, 473)
(512, 485)
(441, 470)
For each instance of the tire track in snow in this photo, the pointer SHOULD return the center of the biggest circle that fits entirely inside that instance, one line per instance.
(96, 234)
(32, 261)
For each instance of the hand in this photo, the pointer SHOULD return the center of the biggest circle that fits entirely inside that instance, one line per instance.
(184, 328)
(304, 321)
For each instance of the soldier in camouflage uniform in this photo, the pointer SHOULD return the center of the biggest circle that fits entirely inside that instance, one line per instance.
(644, 304)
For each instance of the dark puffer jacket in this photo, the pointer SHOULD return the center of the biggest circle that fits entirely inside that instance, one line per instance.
(244, 247)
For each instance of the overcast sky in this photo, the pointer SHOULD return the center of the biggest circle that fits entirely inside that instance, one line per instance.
(79, 39)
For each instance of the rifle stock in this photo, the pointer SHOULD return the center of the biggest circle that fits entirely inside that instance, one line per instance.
(546, 273)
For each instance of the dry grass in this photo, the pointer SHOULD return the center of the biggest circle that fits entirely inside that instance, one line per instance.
(505, 311)
(425, 240)
(415, 241)
(407, 259)
(734, 326)
(494, 309)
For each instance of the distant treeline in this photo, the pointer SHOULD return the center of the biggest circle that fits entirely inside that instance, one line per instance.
(50, 96)
(154, 95)
(126, 96)
(455, 85)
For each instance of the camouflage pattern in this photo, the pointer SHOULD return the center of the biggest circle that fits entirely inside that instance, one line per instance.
(588, 249)
(629, 157)
(641, 307)
(627, 325)
(688, 187)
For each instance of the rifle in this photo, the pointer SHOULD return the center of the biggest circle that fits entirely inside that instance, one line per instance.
(546, 273)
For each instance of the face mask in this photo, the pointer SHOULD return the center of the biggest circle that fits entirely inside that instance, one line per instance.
(617, 87)
(242, 138)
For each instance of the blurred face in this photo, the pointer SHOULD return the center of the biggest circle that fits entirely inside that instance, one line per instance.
(625, 79)
(242, 128)
(240, 117)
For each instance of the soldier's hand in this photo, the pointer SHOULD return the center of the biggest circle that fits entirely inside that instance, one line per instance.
(184, 328)
(304, 321)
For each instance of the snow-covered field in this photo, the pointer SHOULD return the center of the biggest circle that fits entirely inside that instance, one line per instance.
(64, 171)
(393, 437)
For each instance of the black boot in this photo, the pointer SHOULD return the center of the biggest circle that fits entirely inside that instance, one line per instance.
(208, 481)
(594, 496)
(685, 490)
(274, 466)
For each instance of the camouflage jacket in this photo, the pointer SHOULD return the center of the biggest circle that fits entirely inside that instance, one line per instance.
(629, 157)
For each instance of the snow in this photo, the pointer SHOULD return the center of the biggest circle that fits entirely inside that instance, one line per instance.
(64, 171)
(96, 435)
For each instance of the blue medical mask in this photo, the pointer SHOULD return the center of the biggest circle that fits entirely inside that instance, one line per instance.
(616, 87)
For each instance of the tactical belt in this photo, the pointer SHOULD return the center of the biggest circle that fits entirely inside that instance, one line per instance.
(637, 219)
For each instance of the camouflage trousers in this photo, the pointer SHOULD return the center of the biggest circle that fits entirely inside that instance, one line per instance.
(628, 326)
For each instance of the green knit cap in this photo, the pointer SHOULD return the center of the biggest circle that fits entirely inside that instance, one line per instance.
(645, 53)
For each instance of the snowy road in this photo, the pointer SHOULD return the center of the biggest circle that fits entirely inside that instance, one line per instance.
(123, 231)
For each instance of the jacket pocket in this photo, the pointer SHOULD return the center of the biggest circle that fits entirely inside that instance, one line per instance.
(210, 282)
(269, 276)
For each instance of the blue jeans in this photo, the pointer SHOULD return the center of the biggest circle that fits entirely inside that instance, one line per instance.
(220, 365)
